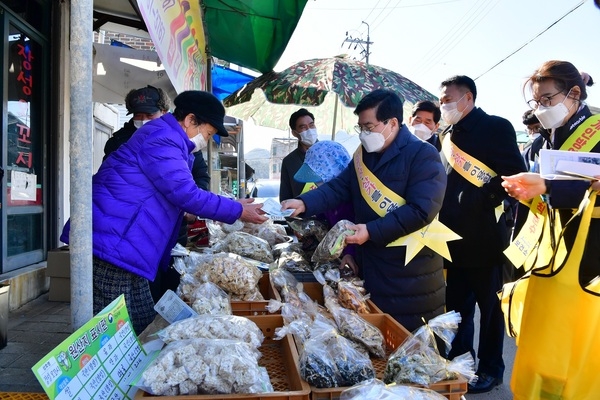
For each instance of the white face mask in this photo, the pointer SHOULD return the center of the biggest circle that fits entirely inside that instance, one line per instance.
(421, 131)
(199, 141)
(372, 141)
(553, 116)
(308, 137)
(138, 123)
(450, 113)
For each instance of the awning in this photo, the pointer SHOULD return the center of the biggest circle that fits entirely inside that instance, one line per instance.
(250, 33)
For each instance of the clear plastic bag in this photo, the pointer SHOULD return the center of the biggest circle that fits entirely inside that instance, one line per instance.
(328, 359)
(293, 262)
(305, 228)
(271, 232)
(214, 327)
(374, 389)
(209, 298)
(204, 366)
(333, 243)
(245, 245)
(417, 359)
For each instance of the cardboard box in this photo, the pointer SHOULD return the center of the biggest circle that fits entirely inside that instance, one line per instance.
(60, 289)
(59, 263)
(58, 268)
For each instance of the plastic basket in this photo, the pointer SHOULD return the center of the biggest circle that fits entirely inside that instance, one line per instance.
(394, 335)
(248, 308)
(279, 357)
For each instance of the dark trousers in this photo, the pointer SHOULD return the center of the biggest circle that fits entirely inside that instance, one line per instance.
(465, 288)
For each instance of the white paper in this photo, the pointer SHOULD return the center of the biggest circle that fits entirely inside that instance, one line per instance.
(273, 208)
(23, 186)
(561, 164)
(172, 308)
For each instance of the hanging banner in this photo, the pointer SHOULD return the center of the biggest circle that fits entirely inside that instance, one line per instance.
(175, 27)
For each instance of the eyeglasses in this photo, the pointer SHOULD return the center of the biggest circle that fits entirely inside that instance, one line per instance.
(368, 127)
(544, 101)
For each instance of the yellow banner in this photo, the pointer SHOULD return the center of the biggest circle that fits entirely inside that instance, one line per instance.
(382, 200)
(176, 29)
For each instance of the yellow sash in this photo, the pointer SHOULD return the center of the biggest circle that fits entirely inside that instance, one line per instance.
(309, 186)
(521, 250)
(382, 200)
(470, 168)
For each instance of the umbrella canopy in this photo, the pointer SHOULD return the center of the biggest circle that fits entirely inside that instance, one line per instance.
(330, 88)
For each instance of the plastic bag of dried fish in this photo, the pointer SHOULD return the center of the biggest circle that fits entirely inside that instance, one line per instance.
(288, 247)
(271, 232)
(417, 359)
(204, 366)
(328, 359)
(350, 292)
(374, 389)
(246, 245)
(353, 326)
(304, 228)
(293, 262)
(214, 327)
(333, 243)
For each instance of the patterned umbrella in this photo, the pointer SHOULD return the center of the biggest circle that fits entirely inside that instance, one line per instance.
(328, 87)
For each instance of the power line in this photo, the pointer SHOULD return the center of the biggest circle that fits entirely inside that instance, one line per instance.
(388, 14)
(532, 39)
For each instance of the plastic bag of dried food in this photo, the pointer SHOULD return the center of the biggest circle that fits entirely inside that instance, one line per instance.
(350, 292)
(214, 327)
(288, 247)
(253, 295)
(333, 243)
(271, 232)
(417, 359)
(328, 359)
(353, 326)
(204, 366)
(215, 231)
(246, 245)
(374, 389)
(238, 225)
(281, 278)
(209, 298)
(293, 262)
(304, 228)
(229, 271)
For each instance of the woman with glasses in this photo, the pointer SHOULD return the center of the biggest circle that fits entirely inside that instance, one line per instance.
(559, 91)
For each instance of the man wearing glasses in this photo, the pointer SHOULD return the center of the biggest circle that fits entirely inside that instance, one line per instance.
(396, 185)
(477, 150)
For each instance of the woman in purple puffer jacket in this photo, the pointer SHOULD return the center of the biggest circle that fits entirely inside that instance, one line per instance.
(139, 196)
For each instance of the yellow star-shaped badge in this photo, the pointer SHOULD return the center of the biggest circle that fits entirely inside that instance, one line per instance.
(435, 236)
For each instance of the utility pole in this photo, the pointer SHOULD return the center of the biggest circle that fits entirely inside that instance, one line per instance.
(360, 42)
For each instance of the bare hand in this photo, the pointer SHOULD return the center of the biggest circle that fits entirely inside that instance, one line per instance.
(596, 183)
(349, 262)
(293, 204)
(524, 186)
(189, 218)
(361, 234)
(252, 212)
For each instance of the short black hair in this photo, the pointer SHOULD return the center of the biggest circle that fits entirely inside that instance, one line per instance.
(462, 81)
(429, 106)
(303, 112)
(529, 118)
(387, 102)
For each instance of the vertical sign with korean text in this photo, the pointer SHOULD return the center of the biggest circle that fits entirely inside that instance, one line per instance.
(176, 29)
(98, 361)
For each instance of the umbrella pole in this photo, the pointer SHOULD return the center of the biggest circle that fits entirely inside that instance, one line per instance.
(335, 110)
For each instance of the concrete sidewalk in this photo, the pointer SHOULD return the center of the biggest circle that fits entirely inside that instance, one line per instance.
(33, 331)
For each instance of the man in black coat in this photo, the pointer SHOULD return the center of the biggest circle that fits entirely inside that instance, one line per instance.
(477, 149)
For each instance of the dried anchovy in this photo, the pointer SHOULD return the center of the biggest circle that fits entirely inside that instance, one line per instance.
(309, 227)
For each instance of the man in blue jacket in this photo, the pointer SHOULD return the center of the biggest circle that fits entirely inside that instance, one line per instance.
(396, 184)
(139, 196)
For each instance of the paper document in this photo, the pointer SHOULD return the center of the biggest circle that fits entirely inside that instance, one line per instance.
(561, 164)
(272, 207)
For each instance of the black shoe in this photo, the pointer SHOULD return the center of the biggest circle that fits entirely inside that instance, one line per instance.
(484, 384)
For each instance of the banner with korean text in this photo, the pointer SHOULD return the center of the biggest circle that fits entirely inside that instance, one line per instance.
(176, 29)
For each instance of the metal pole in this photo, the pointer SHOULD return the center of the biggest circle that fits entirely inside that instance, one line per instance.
(80, 138)
(368, 39)
(335, 111)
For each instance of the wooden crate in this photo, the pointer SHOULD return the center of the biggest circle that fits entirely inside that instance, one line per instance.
(314, 290)
(394, 335)
(279, 357)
